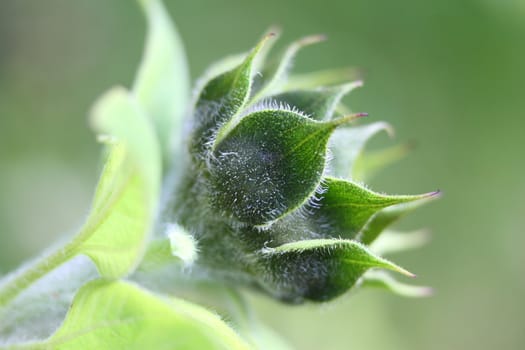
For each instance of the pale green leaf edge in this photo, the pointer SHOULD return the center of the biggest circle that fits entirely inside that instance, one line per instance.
(139, 317)
(134, 148)
(162, 83)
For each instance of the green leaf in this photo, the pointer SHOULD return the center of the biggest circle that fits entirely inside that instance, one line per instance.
(275, 73)
(115, 233)
(388, 216)
(220, 100)
(269, 165)
(124, 206)
(383, 280)
(113, 174)
(348, 143)
(120, 315)
(232, 306)
(316, 270)
(263, 337)
(162, 84)
(345, 207)
(393, 241)
(367, 164)
(118, 115)
(245, 320)
(220, 67)
(219, 297)
(319, 103)
(41, 307)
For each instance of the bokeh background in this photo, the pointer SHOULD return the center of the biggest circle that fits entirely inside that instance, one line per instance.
(448, 74)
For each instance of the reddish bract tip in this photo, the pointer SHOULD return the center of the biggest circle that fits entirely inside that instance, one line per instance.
(359, 83)
(436, 193)
(346, 119)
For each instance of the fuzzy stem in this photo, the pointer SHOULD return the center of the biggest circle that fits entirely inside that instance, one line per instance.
(13, 284)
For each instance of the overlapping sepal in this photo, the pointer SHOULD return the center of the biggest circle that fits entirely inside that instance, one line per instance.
(269, 164)
(316, 270)
(273, 156)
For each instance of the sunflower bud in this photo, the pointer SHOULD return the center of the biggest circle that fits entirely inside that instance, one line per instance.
(259, 194)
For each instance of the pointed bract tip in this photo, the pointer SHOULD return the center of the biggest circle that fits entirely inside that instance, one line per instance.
(347, 87)
(406, 272)
(346, 119)
(428, 195)
(386, 264)
(435, 194)
(312, 39)
(391, 132)
(253, 53)
(427, 291)
(321, 37)
(274, 29)
(393, 267)
(263, 41)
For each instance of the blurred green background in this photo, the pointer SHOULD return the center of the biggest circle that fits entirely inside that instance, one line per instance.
(448, 74)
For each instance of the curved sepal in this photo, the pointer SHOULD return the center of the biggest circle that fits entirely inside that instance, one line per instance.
(315, 79)
(393, 241)
(121, 315)
(269, 164)
(388, 216)
(162, 84)
(348, 143)
(220, 99)
(383, 280)
(229, 62)
(275, 73)
(316, 270)
(367, 164)
(345, 207)
(318, 104)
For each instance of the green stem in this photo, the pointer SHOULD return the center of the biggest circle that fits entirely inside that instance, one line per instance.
(14, 284)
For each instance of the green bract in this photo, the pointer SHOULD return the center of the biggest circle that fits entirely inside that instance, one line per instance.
(263, 190)
(264, 203)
